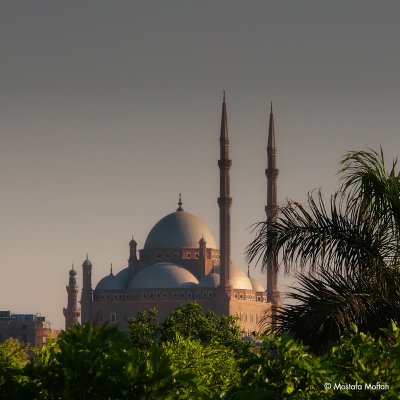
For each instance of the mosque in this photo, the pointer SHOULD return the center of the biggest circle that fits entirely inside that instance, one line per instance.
(181, 262)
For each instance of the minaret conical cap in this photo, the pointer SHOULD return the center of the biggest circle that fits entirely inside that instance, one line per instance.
(271, 130)
(224, 119)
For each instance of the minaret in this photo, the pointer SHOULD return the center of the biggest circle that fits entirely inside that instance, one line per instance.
(87, 292)
(72, 312)
(271, 210)
(203, 270)
(225, 203)
(132, 253)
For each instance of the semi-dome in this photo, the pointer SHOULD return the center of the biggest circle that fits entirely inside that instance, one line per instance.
(211, 280)
(163, 276)
(124, 277)
(179, 230)
(257, 285)
(111, 282)
(239, 280)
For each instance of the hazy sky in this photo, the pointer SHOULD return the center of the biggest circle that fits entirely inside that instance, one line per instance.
(109, 109)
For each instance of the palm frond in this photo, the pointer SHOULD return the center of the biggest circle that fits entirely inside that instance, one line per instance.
(344, 238)
(327, 304)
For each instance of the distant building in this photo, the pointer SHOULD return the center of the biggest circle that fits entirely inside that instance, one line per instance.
(27, 328)
(181, 262)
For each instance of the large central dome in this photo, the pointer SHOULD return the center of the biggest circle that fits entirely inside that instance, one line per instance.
(179, 229)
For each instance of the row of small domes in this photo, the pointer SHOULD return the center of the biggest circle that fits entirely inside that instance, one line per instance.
(168, 276)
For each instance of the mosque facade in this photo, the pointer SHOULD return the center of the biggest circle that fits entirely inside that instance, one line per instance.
(181, 262)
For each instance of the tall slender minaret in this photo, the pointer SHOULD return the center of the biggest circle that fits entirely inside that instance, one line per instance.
(271, 210)
(87, 292)
(72, 311)
(225, 203)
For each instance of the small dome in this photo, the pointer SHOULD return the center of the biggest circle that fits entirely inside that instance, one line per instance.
(72, 277)
(179, 230)
(87, 263)
(163, 275)
(239, 280)
(132, 242)
(110, 282)
(257, 285)
(211, 280)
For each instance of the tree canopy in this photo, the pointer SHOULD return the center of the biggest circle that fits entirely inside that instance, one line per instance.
(91, 362)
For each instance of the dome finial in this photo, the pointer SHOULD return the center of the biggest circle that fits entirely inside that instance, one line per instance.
(248, 270)
(111, 271)
(87, 256)
(72, 271)
(180, 203)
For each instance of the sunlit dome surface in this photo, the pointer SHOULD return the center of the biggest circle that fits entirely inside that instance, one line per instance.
(163, 275)
(179, 230)
(239, 280)
(257, 285)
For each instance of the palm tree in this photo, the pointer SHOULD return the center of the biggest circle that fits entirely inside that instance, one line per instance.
(346, 254)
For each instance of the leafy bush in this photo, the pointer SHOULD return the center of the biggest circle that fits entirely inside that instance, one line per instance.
(281, 369)
(284, 368)
(13, 358)
(188, 321)
(89, 362)
(213, 367)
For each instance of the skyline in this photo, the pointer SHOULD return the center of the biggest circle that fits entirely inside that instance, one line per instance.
(109, 111)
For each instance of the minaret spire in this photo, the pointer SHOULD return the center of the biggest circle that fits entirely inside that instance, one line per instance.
(271, 210)
(224, 202)
(271, 172)
(72, 311)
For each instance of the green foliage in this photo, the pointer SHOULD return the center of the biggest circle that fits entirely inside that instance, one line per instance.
(155, 377)
(213, 367)
(13, 358)
(203, 345)
(86, 362)
(90, 362)
(361, 358)
(144, 330)
(189, 321)
(284, 368)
